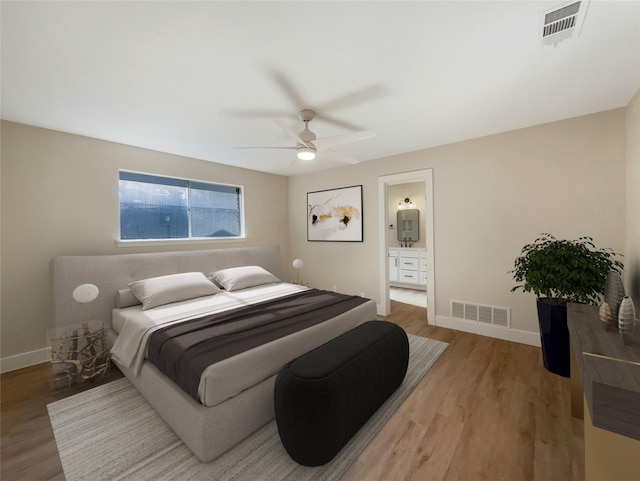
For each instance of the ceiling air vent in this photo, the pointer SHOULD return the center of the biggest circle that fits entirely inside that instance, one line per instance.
(562, 23)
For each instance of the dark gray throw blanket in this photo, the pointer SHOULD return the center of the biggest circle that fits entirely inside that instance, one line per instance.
(183, 351)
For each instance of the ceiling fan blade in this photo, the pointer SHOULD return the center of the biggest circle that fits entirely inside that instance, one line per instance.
(328, 142)
(357, 97)
(289, 89)
(257, 114)
(294, 163)
(261, 147)
(338, 122)
(340, 157)
(288, 131)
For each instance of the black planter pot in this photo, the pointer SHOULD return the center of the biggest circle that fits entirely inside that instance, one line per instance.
(554, 336)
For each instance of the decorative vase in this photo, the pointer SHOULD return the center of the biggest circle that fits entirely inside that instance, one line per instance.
(613, 292)
(606, 317)
(626, 319)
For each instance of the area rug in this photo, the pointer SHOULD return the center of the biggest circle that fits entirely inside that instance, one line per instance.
(111, 433)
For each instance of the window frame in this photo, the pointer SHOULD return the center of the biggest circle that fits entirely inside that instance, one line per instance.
(183, 240)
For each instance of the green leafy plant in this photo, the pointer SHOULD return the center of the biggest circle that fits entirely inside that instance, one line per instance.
(564, 270)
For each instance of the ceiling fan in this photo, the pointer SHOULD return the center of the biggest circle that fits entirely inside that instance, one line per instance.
(307, 145)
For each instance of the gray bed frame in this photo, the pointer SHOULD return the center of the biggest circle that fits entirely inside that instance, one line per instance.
(113, 272)
(207, 431)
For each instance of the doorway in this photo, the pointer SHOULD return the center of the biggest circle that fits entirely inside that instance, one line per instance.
(408, 295)
(385, 184)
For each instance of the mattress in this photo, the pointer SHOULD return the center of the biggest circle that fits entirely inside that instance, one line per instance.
(226, 379)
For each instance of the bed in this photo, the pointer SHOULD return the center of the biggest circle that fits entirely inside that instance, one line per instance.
(234, 398)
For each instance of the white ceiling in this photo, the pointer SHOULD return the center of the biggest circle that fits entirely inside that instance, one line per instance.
(202, 78)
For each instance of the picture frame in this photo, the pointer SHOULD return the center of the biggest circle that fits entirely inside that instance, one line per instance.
(335, 215)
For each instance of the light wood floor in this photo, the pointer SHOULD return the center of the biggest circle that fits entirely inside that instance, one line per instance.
(415, 297)
(487, 410)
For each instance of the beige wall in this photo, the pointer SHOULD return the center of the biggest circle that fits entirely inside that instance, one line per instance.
(632, 254)
(60, 197)
(491, 196)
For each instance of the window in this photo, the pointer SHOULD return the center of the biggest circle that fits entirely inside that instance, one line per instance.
(153, 207)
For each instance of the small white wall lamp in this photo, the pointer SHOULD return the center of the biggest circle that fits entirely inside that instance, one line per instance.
(84, 294)
(297, 265)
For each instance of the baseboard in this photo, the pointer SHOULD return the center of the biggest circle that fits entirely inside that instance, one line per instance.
(498, 332)
(26, 359)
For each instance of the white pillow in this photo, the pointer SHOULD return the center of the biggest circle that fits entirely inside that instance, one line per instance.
(126, 298)
(157, 291)
(236, 278)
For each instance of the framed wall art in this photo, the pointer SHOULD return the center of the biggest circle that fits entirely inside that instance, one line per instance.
(335, 215)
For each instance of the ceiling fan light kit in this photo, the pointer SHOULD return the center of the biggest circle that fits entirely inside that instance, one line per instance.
(305, 153)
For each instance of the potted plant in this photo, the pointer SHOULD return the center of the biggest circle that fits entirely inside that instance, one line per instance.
(557, 272)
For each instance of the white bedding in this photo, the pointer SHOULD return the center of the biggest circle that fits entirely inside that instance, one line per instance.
(134, 325)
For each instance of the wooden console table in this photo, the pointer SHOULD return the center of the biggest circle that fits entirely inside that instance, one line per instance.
(608, 380)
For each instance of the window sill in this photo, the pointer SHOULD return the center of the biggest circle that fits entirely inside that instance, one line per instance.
(177, 242)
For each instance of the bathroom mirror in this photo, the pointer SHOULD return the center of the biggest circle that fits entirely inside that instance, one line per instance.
(408, 225)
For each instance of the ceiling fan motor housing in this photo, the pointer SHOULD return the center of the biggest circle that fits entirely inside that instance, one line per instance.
(306, 116)
(307, 136)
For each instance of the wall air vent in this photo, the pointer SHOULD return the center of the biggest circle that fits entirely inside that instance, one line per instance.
(562, 23)
(497, 316)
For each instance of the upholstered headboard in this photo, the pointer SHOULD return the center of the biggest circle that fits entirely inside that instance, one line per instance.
(113, 272)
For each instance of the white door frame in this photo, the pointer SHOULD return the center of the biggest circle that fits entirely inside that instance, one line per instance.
(426, 176)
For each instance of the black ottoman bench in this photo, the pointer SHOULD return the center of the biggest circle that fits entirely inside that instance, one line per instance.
(323, 397)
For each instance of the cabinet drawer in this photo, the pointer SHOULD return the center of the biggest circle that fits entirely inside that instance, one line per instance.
(409, 253)
(410, 277)
(408, 263)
